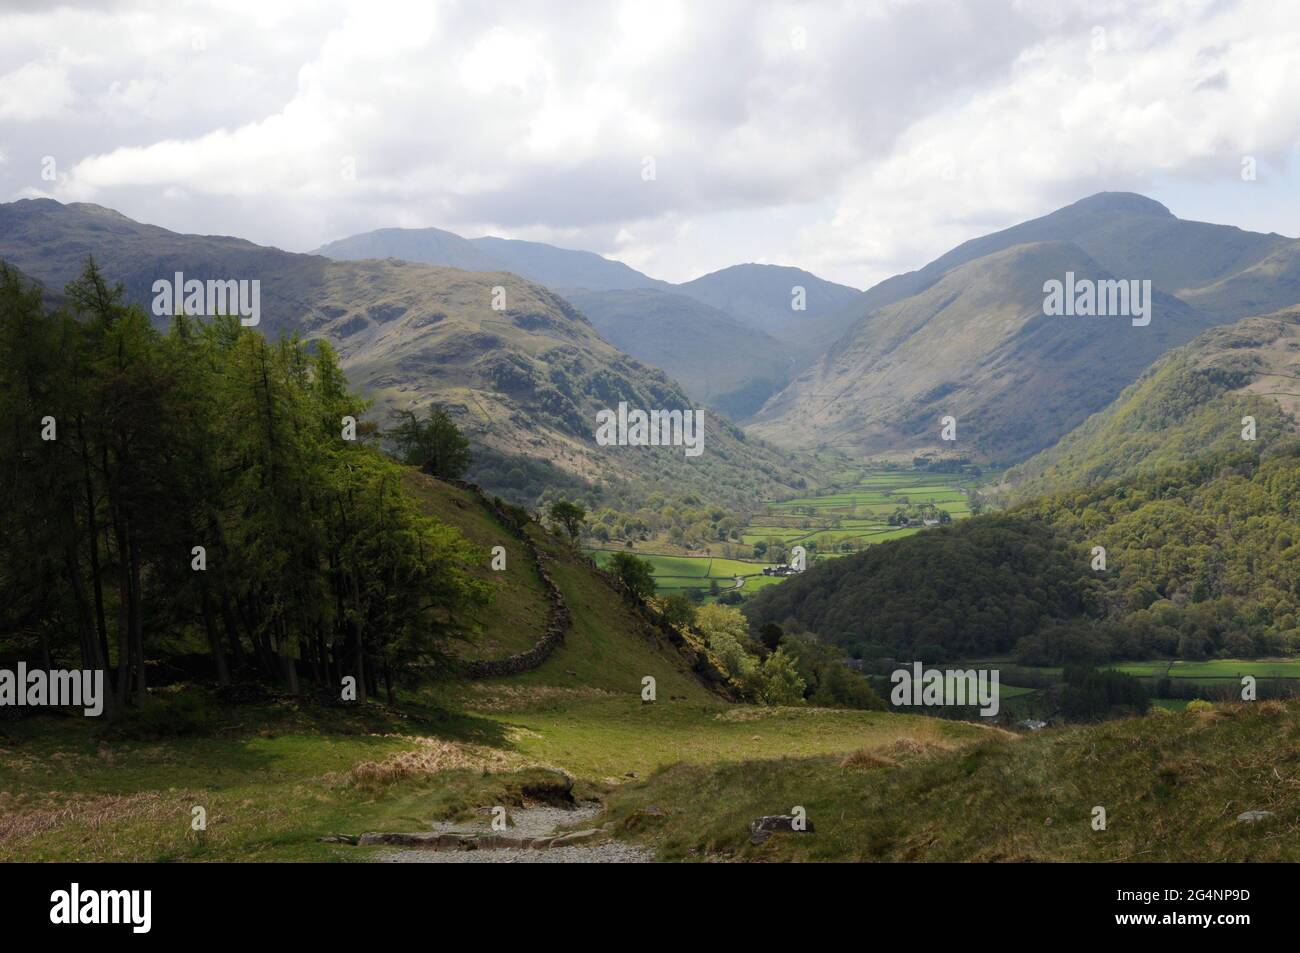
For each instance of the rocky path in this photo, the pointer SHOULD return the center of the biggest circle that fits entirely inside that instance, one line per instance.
(529, 824)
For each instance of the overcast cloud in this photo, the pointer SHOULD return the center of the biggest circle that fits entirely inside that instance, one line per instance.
(854, 139)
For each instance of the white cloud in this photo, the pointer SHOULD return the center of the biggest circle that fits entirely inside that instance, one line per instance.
(855, 140)
(36, 90)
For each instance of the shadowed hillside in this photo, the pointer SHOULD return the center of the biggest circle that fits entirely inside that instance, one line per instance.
(718, 360)
(523, 381)
(975, 346)
(1188, 404)
(966, 336)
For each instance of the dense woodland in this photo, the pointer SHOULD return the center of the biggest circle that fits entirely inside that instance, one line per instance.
(201, 490)
(1202, 560)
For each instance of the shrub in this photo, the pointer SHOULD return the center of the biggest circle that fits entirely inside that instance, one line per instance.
(635, 573)
(780, 682)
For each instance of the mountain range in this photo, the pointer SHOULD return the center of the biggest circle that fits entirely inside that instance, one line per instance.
(749, 327)
(874, 373)
(967, 336)
(524, 382)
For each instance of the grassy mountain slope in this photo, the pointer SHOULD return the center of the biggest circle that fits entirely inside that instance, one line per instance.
(1131, 236)
(977, 346)
(525, 381)
(717, 360)
(430, 246)
(1208, 274)
(609, 649)
(512, 622)
(760, 296)
(1271, 284)
(545, 264)
(1126, 233)
(1189, 403)
(50, 242)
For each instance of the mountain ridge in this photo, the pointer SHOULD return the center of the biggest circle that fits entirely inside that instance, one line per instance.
(758, 297)
(523, 381)
(881, 405)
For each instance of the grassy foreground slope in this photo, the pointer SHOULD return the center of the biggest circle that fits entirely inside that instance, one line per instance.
(513, 621)
(275, 773)
(1171, 785)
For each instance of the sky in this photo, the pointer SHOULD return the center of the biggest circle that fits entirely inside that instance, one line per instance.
(854, 139)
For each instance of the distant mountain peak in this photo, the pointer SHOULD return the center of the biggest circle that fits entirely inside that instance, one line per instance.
(754, 267)
(1131, 202)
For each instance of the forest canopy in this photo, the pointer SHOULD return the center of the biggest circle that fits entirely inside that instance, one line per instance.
(205, 489)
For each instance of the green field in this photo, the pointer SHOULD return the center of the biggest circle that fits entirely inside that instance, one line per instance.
(1005, 692)
(677, 574)
(856, 512)
(1229, 668)
(1209, 672)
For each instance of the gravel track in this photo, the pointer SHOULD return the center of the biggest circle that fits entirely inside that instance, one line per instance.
(528, 822)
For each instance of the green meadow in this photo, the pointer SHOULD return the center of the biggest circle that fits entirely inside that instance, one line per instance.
(1209, 671)
(856, 512)
(677, 574)
(852, 514)
(1209, 674)
(849, 515)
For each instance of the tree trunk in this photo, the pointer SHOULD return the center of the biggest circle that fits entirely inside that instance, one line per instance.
(92, 526)
(360, 654)
(214, 638)
(137, 627)
(123, 622)
(232, 631)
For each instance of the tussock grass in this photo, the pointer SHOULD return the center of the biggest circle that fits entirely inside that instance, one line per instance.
(429, 756)
(1171, 786)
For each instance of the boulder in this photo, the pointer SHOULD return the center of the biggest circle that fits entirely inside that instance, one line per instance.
(1252, 817)
(764, 827)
